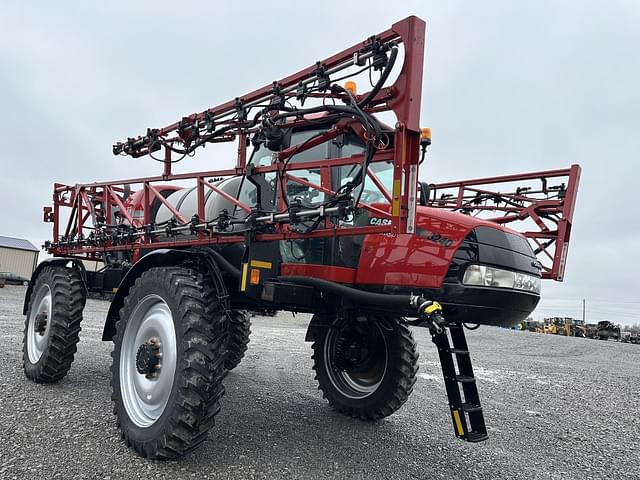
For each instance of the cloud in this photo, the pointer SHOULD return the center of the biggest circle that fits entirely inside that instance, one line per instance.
(509, 87)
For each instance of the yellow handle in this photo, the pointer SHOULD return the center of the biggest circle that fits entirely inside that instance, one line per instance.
(434, 307)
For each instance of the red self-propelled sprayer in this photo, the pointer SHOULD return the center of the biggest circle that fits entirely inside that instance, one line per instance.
(323, 213)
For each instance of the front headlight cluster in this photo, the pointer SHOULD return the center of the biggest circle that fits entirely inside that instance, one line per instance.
(496, 277)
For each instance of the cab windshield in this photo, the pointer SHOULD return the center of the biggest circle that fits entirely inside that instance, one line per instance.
(302, 185)
(312, 187)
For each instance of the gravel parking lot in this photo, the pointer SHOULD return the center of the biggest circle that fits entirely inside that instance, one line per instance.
(556, 408)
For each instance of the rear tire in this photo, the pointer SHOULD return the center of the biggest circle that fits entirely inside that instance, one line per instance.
(168, 362)
(239, 330)
(366, 370)
(52, 326)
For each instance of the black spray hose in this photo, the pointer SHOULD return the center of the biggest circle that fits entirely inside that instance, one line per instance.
(225, 264)
(430, 312)
(404, 302)
(383, 78)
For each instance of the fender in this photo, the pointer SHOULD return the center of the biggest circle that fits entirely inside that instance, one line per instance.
(164, 257)
(319, 322)
(75, 263)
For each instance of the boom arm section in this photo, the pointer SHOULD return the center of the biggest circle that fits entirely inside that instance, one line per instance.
(101, 217)
(539, 204)
(243, 115)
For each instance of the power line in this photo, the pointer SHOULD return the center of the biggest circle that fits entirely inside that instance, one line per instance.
(594, 310)
(613, 312)
(612, 300)
(590, 300)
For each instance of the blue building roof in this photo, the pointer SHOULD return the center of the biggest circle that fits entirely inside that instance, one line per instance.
(17, 243)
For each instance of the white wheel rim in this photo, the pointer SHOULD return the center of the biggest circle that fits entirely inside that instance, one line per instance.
(145, 398)
(37, 341)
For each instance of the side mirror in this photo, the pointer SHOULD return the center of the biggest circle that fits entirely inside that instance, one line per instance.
(277, 139)
(425, 189)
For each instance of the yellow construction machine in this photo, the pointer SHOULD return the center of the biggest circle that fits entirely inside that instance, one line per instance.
(568, 326)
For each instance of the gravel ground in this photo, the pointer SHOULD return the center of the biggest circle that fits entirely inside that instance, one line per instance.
(556, 408)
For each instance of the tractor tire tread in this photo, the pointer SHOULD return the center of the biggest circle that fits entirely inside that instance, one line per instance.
(239, 336)
(401, 385)
(67, 304)
(187, 421)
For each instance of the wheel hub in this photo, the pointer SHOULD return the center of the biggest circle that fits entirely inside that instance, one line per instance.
(41, 323)
(148, 358)
(352, 352)
(355, 354)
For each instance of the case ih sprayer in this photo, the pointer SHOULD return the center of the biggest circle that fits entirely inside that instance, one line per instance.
(323, 213)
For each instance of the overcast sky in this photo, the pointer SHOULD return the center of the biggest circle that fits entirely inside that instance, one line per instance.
(508, 87)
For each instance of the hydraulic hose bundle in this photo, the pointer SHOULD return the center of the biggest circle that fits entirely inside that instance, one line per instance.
(268, 126)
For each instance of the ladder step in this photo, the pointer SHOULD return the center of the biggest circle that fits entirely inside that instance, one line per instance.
(471, 407)
(460, 383)
(459, 351)
(465, 379)
(474, 437)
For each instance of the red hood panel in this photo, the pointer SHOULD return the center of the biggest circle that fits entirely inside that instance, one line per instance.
(420, 260)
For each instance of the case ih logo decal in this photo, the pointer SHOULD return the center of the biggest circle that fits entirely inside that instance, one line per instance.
(379, 221)
(431, 236)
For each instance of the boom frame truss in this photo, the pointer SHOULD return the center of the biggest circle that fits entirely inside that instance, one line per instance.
(550, 207)
(403, 98)
(83, 237)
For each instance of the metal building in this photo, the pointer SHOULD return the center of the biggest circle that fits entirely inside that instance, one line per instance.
(17, 256)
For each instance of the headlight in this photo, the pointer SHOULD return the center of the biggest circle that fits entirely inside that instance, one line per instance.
(496, 277)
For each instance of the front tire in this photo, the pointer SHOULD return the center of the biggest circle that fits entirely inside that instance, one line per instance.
(52, 326)
(168, 362)
(366, 370)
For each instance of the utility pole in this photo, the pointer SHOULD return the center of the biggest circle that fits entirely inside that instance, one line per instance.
(583, 310)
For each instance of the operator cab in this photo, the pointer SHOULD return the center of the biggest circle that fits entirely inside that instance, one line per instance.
(312, 187)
